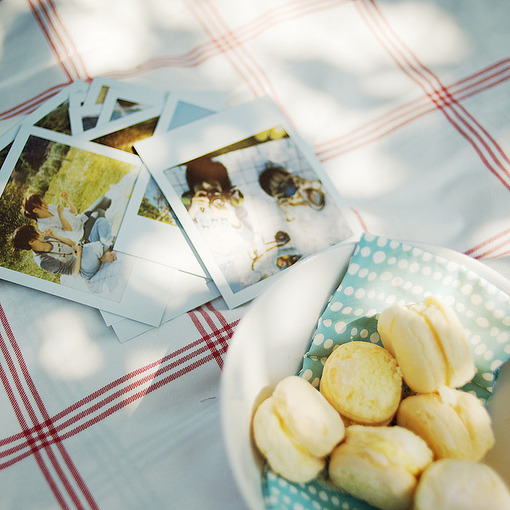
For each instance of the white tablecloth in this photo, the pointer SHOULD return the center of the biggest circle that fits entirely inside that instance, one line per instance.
(406, 104)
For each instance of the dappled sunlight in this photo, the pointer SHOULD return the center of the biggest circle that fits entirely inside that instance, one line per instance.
(148, 287)
(107, 29)
(449, 44)
(145, 356)
(67, 352)
(368, 183)
(141, 26)
(373, 79)
(143, 244)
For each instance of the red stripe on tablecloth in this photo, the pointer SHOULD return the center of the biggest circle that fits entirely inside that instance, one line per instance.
(238, 47)
(497, 73)
(91, 404)
(226, 329)
(118, 404)
(40, 436)
(136, 396)
(404, 114)
(72, 52)
(58, 38)
(118, 383)
(47, 420)
(491, 248)
(30, 442)
(164, 364)
(221, 318)
(40, 21)
(32, 103)
(242, 34)
(457, 115)
(360, 219)
(222, 43)
(28, 406)
(281, 14)
(207, 338)
(425, 78)
(152, 377)
(48, 25)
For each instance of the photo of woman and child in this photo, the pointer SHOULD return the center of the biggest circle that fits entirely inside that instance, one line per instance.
(60, 211)
(63, 241)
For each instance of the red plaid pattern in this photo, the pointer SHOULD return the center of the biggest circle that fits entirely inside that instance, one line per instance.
(43, 436)
(233, 44)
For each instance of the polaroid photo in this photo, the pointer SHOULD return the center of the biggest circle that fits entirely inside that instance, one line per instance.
(151, 230)
(250, 194)
(188, 106)
(55, 113)
(188, 290)
(62, 202)
(123, 132)
(88, 110)
(6, 141)
(124, 99)
(82, 118)
(97, 91)
(111, 318)
(189, 293)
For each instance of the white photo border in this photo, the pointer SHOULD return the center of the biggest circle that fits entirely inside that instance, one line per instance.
(148, 286)
(164, 243)
(145, 96)
(206, 136)
(77, 87)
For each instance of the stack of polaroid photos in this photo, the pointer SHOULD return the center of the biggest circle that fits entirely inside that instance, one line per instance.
(146, 203)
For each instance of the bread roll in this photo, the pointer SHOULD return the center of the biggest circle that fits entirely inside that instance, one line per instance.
(286, 458)
(455, 424)
(451, 484)
(362, 382)
(295, 429)
(380, 465)
(310, 419)
(429, 344)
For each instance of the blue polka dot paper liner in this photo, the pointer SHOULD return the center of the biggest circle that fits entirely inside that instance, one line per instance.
(383, 272)
(319, 494)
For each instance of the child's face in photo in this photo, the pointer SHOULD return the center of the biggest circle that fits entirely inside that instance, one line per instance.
(43, 206)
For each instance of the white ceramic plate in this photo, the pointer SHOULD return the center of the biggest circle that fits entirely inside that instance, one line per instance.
(274, 334)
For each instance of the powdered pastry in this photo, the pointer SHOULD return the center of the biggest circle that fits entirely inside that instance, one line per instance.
(451, 484)
(428, 343)
(310, 419)
(380, 465)
(455, 424)
(295, 429)
(362, 382)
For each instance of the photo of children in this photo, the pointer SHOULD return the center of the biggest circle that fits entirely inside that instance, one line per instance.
(258, 205)
(60, 209)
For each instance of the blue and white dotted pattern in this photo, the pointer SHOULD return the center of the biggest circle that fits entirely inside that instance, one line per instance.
(383, 272)
(319, 494)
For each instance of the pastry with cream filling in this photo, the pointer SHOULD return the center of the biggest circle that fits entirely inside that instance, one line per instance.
(296, 428)
(429, 344)
(380, 465)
